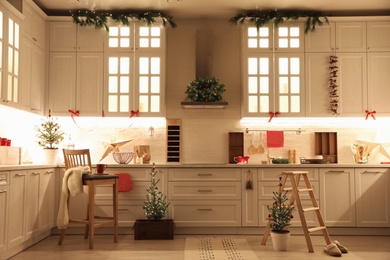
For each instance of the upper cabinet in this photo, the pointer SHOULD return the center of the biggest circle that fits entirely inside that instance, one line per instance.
(273, 71)
(378, 36)
(337, 37)
(34, 24)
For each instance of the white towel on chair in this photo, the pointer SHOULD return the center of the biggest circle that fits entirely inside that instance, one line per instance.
(72, 182)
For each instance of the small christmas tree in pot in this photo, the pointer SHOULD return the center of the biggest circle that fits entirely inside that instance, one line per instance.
(280, 215)
(156, 209)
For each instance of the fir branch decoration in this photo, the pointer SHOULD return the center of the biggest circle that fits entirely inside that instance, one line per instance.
(156, 206)
(49, 133)
(262, 18)
(99, 19)
(205, 90)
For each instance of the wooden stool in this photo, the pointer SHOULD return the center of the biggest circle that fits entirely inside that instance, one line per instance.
(74, 158)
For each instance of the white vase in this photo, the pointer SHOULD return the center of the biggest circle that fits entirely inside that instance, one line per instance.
(280, 240)
(50, 156)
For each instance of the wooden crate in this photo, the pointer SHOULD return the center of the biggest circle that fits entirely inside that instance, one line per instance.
(153, 230)
(326, 145)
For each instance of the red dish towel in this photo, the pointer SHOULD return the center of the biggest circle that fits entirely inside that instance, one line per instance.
(124, 182)
(275, 138)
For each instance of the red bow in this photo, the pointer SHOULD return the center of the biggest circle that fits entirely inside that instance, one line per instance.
(73, 113)
(372, 113)
(272, 115)
(134, 113)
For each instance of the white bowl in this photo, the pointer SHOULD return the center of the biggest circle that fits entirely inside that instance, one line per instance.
(123, 157)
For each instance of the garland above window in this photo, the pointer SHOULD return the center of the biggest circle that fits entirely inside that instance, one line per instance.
(99, 19)
(262, 18)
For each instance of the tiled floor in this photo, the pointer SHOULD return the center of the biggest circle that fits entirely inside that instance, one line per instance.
(75, 247)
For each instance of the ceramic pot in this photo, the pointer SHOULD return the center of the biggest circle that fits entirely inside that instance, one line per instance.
(50, 156)
(280, 240)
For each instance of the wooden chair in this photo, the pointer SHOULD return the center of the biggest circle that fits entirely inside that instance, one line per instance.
(74, 158)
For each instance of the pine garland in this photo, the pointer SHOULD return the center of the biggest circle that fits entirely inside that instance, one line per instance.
(262, 18)
(99, 19)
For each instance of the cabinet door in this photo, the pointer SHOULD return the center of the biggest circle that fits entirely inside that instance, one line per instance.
(62, 82)
(322, 39)
(4, 192)
(17, 212)
(38, 80)
(372, 197)
(378, 36)
(250, 213)
(379, 82)
(26, 51)
(32, 203)
(46, 200)
(337, 196)
(34, 26)
(90, 39)
(351, 37)
(62, 36)
(89, 88)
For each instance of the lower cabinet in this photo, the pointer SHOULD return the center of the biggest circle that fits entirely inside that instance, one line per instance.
(4, 193)
(372, 197)
(337, 197)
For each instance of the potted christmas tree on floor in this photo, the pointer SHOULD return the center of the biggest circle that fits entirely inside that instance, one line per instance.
(156, 208)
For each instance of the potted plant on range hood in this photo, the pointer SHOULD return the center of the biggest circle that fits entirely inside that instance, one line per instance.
(280, 214)
(49, 136)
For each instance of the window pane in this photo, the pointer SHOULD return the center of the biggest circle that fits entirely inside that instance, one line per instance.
(113, 65)
(143, 65)
(125, 43)
(264, 104)
(294, 70)
(113, 31)
(1, 25)
(124, 103)
(10, 60)
(252, 66)
(143, 103)
(143, 84)
(294, 31)
(124, 85)
(264, 85)
(144, 43)
(112, 84)
(155, 31)
(295, 85)
(155, 85)
(125, 65)
(252, 104)
(283, 43)
(264, 66)
(252, 43)
(252, 32)
(113, 43)
(155, 104)
(16, 63)
(295, 104)
(125, 31)
(264, 43)
(252, 85)
(144, 31)
(294, 43)
(16, 35)
(155, 43)
(283, 104)
(155, 65)
(283, 31)
(10, 32)
(112, 103)
(283, 66)
(264, 32)
(283, 85)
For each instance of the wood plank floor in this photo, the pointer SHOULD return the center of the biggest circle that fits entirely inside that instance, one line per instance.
(75, 247)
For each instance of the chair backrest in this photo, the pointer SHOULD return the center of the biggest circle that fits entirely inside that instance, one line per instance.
(74, 158)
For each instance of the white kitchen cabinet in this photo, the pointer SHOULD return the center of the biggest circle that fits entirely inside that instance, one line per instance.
(372, 197)
(205, 196)
(4, 193)
(378, 36)
(46, 200)
(34, 24)
(32, 204)
(378, 83)
(32, 82)
(67, 36)
(17, 210)
(337, 37)
(249, 198)
(337, 196)
(76, 83)
(351, 81)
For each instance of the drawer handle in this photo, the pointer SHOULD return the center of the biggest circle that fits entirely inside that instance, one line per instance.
(3, 179)
(35, 173)
(48, 172)
(205, 190)
(204, 174)
(371, 172)
(204, 209)
(20, 174)
(3, 191)
(335, 171)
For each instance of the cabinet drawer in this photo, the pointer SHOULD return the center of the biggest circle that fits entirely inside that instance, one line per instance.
(216, 213)
(138, 191)
(3, 178)
(204, 174)
(267, 174)
(311, 218)
(266, 189)
(137, 174)
(204, 190)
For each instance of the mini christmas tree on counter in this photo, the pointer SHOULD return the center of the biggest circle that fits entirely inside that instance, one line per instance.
(156, 206)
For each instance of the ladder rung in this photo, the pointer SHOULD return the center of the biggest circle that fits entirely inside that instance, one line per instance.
(311, 209)
(290, 189)
(305, 189)
(287, 189)
(316, 229)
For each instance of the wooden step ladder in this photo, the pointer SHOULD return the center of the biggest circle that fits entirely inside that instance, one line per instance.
(295, 177)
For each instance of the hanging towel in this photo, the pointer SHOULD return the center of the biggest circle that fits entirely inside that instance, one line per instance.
(72, 182)
(124, 182)
(275, 138)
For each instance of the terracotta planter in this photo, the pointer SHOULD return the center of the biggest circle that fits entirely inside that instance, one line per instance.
(50, 156)
(280, 240)
(153, 230)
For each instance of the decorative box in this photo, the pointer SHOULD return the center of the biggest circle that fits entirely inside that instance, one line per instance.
(145, 229)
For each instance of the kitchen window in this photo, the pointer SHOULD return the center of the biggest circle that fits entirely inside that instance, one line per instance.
(135, 70)
(273, 70)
